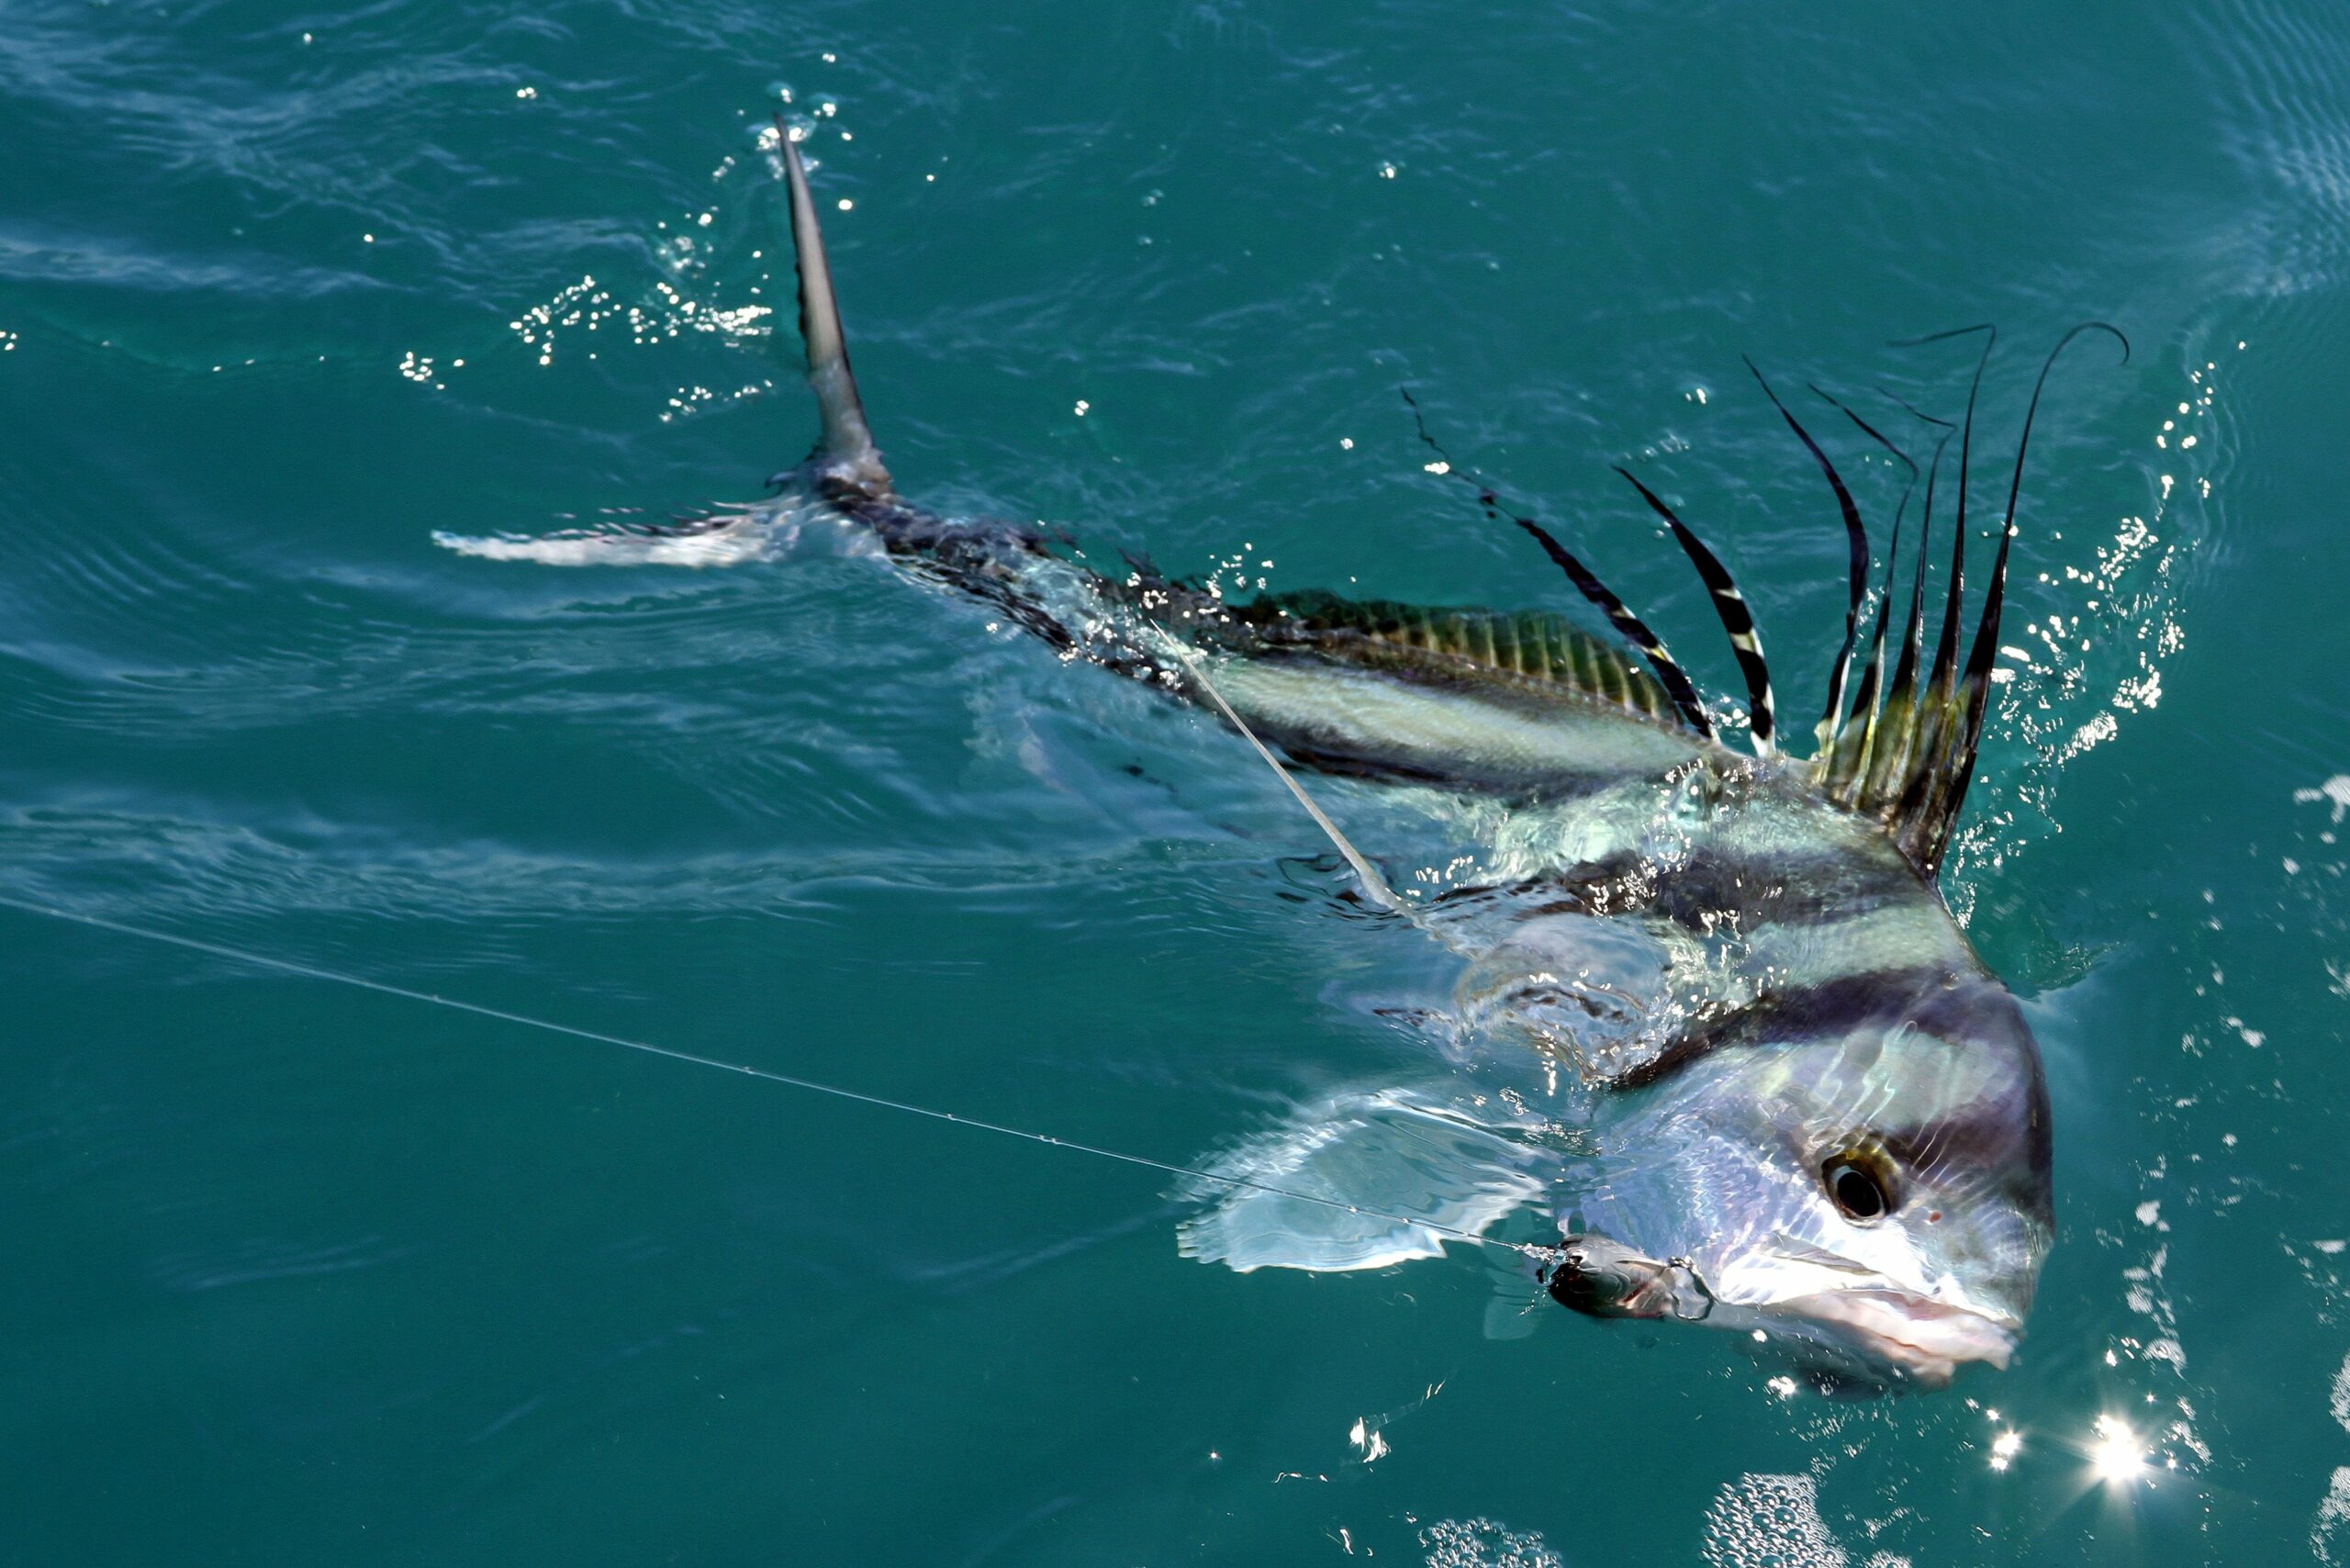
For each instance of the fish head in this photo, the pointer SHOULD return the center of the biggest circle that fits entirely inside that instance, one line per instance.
(1870, 1198)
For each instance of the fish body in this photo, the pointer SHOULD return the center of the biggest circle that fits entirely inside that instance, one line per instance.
(1758, 1077)
(1745, 991)
(1804, 1105)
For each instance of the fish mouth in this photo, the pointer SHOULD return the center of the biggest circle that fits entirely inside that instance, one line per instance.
(1924, 1341)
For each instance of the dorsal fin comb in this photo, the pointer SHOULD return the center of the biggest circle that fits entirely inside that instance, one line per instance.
(1738, 620)
(1913, 773)
(1634, 630)
(1903, 754)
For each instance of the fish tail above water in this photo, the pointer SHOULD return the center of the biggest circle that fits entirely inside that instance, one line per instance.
(846, 454)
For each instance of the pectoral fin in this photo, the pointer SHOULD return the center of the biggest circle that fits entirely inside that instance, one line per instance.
(1368, 1169)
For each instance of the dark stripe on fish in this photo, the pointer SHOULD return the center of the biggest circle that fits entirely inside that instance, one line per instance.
(1937, 1001)
(1704, 886)
(1986, 1135)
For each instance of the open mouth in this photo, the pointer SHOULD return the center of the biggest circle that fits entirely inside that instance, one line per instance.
(1926, 1341)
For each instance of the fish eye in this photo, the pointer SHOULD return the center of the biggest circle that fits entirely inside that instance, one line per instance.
(1860, 1182)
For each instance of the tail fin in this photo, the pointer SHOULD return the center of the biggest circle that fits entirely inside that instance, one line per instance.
(844, 452)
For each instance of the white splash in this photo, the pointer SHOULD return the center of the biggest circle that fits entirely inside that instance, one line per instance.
(1758, 1520)
(725, 540)
(1482, 1543)
(2337, 789)
(2333, 1511)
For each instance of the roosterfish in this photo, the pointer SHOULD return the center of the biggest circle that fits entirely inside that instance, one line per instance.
(1777, 1090)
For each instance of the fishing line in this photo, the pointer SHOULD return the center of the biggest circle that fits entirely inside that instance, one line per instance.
(1374, 885)
(790, 1080)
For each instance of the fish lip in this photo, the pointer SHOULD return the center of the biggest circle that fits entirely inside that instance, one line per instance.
(1925, 1340)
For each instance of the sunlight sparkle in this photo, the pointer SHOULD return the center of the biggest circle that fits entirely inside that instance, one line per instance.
(2115, 1455)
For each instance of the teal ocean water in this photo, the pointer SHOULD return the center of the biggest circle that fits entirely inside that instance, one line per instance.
(303, 1274)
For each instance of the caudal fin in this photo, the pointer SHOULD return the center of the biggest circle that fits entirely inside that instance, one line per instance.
(844, 452)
